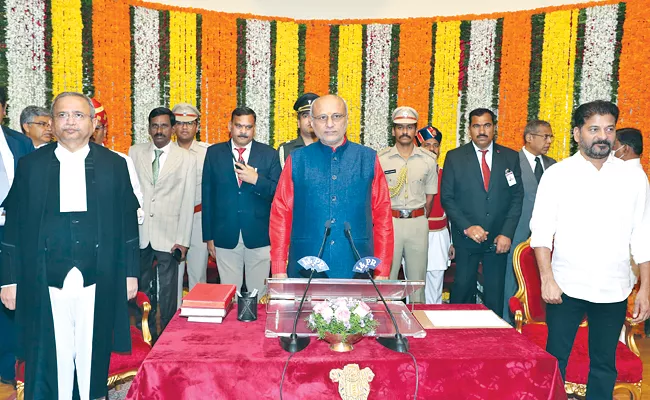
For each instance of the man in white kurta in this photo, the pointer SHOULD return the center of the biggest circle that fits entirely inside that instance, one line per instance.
(589, 273)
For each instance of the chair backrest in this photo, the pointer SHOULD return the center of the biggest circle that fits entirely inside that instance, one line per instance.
(530, 284)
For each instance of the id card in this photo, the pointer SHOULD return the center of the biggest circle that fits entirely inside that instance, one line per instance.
(510, 177)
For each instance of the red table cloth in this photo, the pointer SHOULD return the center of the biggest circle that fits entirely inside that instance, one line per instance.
(234, 360)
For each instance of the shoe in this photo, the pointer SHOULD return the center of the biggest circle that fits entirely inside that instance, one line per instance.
(11, 382)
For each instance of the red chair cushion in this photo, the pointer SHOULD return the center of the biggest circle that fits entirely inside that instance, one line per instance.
(530, 272)
(628, 365)
(123, 362)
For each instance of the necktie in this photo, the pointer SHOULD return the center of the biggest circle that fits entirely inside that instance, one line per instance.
(156, 165)
(241, 151)
(486, 170)
(4, 181)
(538, 169)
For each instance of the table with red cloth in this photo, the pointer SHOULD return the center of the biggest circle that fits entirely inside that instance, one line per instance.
(234, 360)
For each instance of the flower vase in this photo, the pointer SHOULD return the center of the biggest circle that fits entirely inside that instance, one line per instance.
(338, 344)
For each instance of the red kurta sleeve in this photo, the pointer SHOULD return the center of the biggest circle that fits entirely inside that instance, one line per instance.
(382, 220)
(280, 221)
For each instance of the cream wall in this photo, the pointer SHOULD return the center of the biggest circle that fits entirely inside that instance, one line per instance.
(345, 9)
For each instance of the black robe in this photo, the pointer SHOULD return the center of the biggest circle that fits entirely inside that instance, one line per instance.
(24, 255)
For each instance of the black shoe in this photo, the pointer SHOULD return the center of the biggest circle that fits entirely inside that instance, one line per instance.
(11, 382)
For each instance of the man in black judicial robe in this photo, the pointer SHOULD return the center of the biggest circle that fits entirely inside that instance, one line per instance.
(28, 262)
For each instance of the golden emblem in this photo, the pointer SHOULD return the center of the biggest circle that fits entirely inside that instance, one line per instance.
(354, 383)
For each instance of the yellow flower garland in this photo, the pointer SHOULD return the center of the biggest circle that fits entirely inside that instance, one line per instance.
(349, 75)
(445, 87)
(286, 81)
(556, 87)
(182, 58)
(67, 66)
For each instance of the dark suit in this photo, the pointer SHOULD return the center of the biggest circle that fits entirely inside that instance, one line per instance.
(229, 209)
(497, 211)
(522, 233)
(20, 145)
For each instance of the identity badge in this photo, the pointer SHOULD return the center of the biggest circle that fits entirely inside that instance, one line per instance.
(510, 177)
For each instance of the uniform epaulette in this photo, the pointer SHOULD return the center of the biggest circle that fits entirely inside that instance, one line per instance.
(384, 151)
(429, 153)
(203, 144)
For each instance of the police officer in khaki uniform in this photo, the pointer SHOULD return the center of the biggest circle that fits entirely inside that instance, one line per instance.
(306, 135)
(186, 128)
(412, 178)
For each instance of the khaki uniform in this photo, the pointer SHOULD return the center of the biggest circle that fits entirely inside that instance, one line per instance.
(287, 147)
(410, 180)
(197, 255)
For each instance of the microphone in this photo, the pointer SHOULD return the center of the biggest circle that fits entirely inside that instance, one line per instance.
(294, 343)
(397, 343)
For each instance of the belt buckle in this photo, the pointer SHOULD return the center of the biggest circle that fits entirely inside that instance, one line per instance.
(404, 213)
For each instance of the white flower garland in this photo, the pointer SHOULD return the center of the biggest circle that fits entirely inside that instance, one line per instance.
(258, 75)
(146, 83)
(377, 114)
(480, 68)
(25, 56)
(599, 53)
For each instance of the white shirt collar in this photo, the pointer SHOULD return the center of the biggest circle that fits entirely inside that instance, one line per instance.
(165, 148)
(247, 147)
(64, 155)
(635, 162)
(490, 148)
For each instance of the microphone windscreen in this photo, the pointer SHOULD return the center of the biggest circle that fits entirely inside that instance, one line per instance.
(328, 224)
(346, 225)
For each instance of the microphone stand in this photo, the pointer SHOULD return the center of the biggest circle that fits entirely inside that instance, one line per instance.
(295, 343)
(398, 343)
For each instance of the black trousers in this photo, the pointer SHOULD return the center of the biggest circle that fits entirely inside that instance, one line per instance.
(605, 324)
(463, 290)
(160, 283)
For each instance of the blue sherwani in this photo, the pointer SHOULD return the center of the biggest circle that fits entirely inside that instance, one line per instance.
(20, 145)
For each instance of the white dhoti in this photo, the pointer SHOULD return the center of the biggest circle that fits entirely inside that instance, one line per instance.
(196, 261)
(73, 312)
(437, 264)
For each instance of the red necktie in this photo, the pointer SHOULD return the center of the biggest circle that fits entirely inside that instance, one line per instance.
(486, 171)
(241, 151)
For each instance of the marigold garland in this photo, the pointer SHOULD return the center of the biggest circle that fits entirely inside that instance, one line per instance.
(112, 67)
(67, 46)
(317, 57)
(286, 81)
(556, 90)
(414, 74)
(445, 96)
(182, 58)
(349, 80)
(513, 94)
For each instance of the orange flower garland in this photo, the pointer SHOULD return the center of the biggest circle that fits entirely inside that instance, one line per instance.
(515, 74)
(634, 74)
(414, 71)
(112, 60)
(219, 77)
(317, 61)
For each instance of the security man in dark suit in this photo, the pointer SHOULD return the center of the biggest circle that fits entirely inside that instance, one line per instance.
(482, 193)
(239, 181)
(306, 135)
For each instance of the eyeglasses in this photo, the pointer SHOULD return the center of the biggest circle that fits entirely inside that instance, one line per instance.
(243, 127)
(186, 123)
(322, 119)
(546, 137)
(41, 124)
(76, 115)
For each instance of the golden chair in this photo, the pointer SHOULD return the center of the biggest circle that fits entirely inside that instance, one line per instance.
(122, 366)
(529, 310)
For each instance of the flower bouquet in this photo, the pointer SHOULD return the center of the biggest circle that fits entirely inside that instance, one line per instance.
(342, 322)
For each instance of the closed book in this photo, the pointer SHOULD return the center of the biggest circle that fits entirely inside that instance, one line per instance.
(204, 312)
(210, 320)
(209, 295)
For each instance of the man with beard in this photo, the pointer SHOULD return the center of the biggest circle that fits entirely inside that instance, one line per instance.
(538, 137)
(482, 194)
(333, 180)
(71, 248)
(167, 174)
(412, 178)
(186, 128)
(239, 181)
(36, 124)
(589, 270)
(306, 134)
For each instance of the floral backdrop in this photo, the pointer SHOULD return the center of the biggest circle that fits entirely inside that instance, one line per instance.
(134, 56)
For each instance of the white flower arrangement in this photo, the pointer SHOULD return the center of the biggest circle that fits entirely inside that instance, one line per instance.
(343, 316)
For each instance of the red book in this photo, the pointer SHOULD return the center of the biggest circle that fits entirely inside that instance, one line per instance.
(210, 295)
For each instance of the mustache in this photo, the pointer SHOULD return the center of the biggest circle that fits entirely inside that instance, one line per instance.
(157, 135)
(405, 135)
(483, 135)
(604, 141)
(242, 135)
